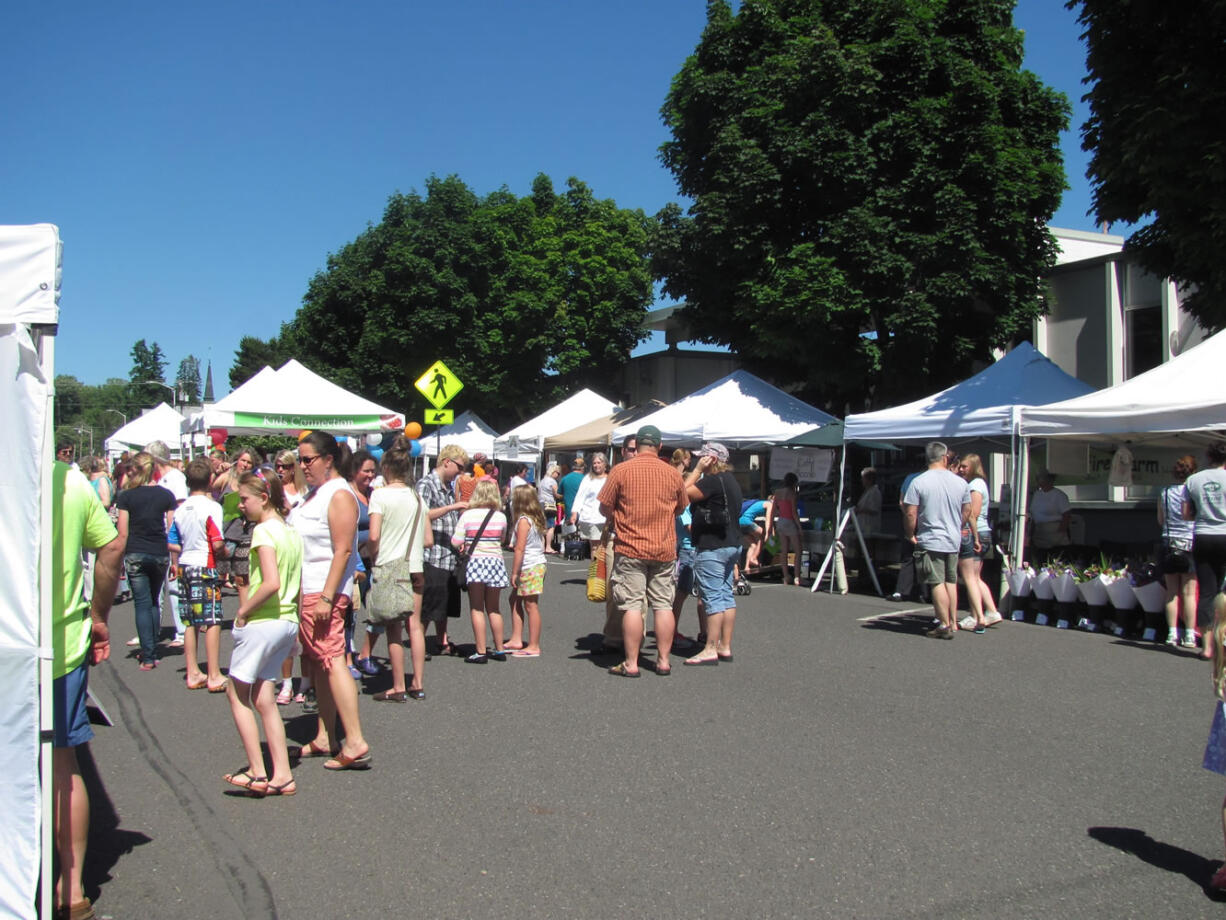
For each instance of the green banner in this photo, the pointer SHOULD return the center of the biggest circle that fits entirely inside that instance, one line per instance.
(313, 422)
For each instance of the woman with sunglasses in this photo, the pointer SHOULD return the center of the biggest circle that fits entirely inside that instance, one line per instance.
(327, 521)
(293, 483)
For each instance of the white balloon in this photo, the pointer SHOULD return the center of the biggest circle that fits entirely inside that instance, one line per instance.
(374, 440)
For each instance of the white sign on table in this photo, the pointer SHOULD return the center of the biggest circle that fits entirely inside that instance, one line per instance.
(810, 464)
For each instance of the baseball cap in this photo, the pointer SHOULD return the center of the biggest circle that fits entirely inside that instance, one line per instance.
(713, 449)
(648, 434)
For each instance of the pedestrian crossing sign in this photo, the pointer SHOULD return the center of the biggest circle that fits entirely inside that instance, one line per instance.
(438, 385)
(439, 417)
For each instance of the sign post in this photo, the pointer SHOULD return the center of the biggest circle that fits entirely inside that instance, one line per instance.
(440, 386)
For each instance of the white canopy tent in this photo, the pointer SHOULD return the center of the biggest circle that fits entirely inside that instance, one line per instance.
(29, 313)
(469, 430)
(161, 423)
(1184, 395)
(1181, 402)
(528, 440)
(985, 406)
(982, 406)
(290, 399)
(739, 411)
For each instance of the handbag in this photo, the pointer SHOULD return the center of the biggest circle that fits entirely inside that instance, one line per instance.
(392, 585)
(462, 557)
(597, 578)
(709, 516)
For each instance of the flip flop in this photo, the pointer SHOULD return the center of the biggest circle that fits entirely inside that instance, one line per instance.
(255, 786)
(200, 686)
(726, 658)
(345, 762)
(620, 670)
(520, 653)
(310, 750)
(700, 662)
(286, 788)
(220, 688)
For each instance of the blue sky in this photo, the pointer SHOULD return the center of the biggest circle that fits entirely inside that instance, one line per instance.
(202, 160)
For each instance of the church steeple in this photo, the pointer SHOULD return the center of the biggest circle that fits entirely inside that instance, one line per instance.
(208, 384)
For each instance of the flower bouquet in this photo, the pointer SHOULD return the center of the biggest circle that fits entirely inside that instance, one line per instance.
(1020, 581)
(1042, 584)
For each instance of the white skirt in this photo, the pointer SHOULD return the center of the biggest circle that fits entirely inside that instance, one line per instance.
(260, 648)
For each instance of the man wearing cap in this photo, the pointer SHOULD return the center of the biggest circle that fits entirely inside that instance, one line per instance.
(641, 498)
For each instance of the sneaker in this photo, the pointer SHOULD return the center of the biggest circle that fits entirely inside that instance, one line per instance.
(992, 617)
(1189, 640)
(967, 622)
(355, 673)
(496, 655)
(309, 703)
(286, 694)
(476, 658)
(940, 632)
(134, 641)
(895, 596)
(980, 630)
(368, 666)
(1172, 637)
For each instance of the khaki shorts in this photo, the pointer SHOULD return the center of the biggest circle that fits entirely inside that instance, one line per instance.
(936, 568)
(641, 584)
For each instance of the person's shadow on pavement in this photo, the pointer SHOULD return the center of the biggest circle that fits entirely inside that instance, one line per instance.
(1162, 855)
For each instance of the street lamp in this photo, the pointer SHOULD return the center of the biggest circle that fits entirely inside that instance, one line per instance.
(174, 404)
(117, 412)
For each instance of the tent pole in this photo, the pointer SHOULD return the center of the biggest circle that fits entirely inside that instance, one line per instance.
(1020, 498)
(46, 349)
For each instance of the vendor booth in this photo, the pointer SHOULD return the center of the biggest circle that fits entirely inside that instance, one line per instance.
(739, 411)
(161, 423)
(29, 314)
(985, 407)
(469, 430)
(524, 443)
(599, 433)
(292, 399)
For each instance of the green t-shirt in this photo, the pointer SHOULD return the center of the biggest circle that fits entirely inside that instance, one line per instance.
(287, 544)
(78, 521)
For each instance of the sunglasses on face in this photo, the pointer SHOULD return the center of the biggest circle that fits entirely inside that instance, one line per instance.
(307, 461)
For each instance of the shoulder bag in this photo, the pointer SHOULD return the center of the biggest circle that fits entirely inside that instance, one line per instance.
(461, 565)
(392, 585)
(711, 517)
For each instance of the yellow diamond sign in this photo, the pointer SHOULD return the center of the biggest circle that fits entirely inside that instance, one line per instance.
(438, 385)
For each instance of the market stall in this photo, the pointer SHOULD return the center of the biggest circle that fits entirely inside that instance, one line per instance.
(469, 430)
(292, 399)
(524, 443)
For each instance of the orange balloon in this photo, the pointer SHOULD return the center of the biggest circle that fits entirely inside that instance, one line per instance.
(412, 431)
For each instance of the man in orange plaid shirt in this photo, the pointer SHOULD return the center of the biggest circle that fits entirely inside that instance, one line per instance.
(641, 498)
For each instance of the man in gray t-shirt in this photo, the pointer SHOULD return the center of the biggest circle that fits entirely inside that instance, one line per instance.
(935, 506)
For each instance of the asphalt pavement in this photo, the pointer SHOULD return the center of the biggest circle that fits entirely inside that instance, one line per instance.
(842, 766)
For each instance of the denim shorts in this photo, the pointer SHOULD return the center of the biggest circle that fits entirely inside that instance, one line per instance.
(685, 572)
(70, 720)
(713, 575)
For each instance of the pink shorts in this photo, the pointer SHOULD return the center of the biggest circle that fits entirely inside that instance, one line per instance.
(322, 640)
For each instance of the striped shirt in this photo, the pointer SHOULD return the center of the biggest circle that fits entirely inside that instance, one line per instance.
(645, 495)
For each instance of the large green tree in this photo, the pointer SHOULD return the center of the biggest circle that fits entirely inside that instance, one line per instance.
(187, 381)
(253, 355)
(524, 298)
(870, 185)
(148, 371)
(1157, 75)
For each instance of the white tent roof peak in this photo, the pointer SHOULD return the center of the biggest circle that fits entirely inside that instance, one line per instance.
(468, 430)
(981, 406)
(737, 410)
(575, 410)
(161, 423)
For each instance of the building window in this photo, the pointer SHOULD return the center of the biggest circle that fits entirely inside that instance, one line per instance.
(1143, 340)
